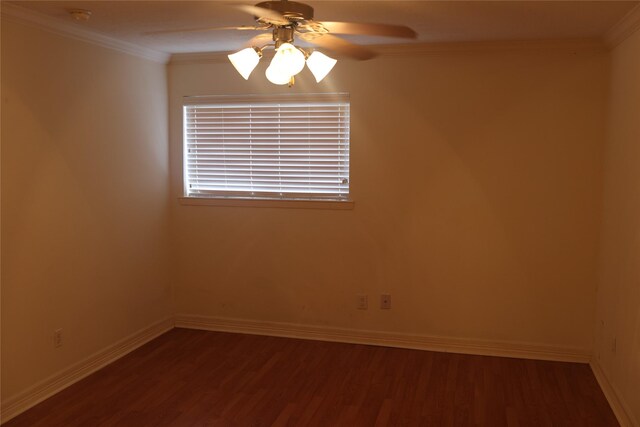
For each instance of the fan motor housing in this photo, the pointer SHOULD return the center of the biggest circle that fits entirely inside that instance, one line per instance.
(292, 10)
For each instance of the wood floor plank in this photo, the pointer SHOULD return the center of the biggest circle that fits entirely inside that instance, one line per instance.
(198, 378)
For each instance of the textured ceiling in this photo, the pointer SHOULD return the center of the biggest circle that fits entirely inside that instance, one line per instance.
(435, 21)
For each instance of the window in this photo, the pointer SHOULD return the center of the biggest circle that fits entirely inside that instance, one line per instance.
(291, 147)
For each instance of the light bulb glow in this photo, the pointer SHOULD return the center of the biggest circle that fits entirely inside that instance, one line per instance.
(277, 76)
(245, 61)
(320, 65)
(288, 59)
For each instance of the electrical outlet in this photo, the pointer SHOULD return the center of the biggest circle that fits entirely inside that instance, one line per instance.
(385, 301)
(57, 338)
(363, 302)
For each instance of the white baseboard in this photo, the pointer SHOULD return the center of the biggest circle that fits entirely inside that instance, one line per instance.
(387, 339)
(618, 405)
(39, 392)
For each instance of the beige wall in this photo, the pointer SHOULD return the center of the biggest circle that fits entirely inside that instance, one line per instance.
(617, 346)
(477, 182)
(84, 201)
(477, 187)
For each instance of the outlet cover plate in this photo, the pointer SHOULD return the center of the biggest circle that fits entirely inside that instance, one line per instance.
(385, 301)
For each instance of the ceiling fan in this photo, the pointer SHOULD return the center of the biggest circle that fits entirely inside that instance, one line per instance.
(284, 20)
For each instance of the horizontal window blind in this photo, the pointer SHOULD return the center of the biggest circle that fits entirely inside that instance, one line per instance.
(271, 149)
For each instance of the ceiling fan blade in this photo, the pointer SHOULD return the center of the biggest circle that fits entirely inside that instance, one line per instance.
(344, 47)
(259, 40)
(369, 29)
(195, 30)
(265, 15)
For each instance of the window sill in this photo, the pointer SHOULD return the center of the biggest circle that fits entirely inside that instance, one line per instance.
(267, 203)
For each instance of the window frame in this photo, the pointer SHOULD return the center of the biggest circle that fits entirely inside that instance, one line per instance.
(288, 200)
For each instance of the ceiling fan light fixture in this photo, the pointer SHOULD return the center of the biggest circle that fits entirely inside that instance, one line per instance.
(320, 65)
(286, 19)
(245, 61)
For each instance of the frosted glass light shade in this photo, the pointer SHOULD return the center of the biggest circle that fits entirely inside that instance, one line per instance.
(277, 76)
(320, 65)
(245, 61)
(288, 59)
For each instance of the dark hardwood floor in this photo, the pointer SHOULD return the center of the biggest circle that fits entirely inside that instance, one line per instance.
(197, 378)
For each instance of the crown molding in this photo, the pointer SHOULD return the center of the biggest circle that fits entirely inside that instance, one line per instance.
(23, 15)
(624, 28)
(555, 45)
(413, 49)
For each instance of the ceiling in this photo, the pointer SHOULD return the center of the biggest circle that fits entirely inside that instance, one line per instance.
(434, 21)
